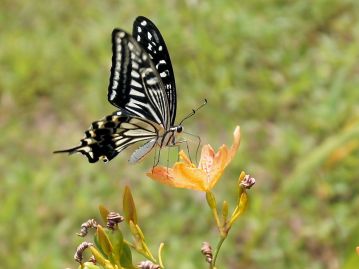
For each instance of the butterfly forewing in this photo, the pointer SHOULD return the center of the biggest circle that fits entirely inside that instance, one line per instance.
(131, 67)
(151, 40)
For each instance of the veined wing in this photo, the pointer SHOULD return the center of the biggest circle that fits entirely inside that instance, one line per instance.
(142, 151)
(151, 40)
(135, 85)
(108, 137)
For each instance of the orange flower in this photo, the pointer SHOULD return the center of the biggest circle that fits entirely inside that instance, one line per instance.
(185, 174)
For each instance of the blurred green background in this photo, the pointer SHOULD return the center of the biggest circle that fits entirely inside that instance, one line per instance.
(286, 71)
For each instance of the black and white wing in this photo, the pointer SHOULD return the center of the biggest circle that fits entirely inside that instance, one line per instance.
(135, 84)
(151, 40)
(108, 137)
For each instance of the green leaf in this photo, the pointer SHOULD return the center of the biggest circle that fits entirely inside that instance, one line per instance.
(136, 232)
(126, 257)
(100, 259)
(116, 239)
(104, 213)
(129, 207)
(97, 244)
(104, 241)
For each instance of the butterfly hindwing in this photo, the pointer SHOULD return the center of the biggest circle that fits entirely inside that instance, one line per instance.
(108, 137)
(139, 153)
(151, 40)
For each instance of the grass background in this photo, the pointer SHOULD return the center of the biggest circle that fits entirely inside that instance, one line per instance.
(286, 71)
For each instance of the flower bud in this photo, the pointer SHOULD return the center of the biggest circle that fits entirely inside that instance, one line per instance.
(211, 200)
(92, 259)
(207, 252)
(148, 265)
(80, 251)
(113, 219)
(91, 223)
(248, 182)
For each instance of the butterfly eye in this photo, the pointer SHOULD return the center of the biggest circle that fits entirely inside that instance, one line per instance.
(179, 129)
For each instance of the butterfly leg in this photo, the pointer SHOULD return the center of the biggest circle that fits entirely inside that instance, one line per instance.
(154, 160)
(184, 141)
(189, 154)
(168, 158)
(178, 151)
(198, 144)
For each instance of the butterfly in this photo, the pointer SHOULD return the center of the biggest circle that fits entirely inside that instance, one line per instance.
(142, 86)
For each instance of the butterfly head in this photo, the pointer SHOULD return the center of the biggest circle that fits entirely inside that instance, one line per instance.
(176, 129)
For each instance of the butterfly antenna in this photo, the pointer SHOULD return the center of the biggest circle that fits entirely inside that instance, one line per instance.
(194, 111)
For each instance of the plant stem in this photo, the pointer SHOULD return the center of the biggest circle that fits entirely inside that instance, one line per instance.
(160, 255)
(216, 218)
(129, 244)
(147, 254)
(144, 246)
(219, 245)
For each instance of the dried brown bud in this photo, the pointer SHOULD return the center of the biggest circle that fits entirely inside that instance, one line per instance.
(80, 250)
(91, 223)
(148, 265)
(207, 252)
(113, 219)
(92, 259)
(248, 181)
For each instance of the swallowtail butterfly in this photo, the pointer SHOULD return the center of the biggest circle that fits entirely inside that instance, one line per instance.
(142, 86)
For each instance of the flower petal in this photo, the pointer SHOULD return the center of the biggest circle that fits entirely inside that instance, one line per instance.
(220, 163)
(180, 176)
(185, 158)
(161, 174)
(190, 177)
(206, 160)
(223, 157)
(236, 143)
